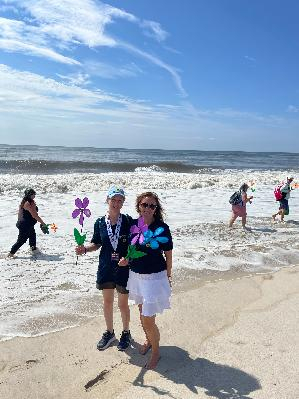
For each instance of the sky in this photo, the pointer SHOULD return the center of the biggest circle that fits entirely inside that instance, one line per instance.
(171, 74)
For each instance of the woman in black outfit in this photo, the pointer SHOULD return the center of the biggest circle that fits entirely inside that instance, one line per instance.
(150, 276)
(27, 218)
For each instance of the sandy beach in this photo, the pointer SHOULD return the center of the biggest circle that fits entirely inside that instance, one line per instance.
(227, 339)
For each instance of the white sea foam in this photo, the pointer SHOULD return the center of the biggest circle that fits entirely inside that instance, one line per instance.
(140, 179)
(49, 292)
(146, 169)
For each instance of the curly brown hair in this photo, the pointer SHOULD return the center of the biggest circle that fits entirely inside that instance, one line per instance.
(159, 212)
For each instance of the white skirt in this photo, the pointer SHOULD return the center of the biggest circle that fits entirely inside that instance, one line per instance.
(152, 291)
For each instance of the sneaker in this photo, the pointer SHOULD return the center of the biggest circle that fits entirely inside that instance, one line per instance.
(106, 340)
(124, 341)
(35, 251)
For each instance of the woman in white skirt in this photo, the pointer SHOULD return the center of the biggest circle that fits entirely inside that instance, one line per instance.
(150, 275)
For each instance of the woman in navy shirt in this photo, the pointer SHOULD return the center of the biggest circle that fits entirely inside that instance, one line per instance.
(27, 218)
(150, 275)
(111, 235)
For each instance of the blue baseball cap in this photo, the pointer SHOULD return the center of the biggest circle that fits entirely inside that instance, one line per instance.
(114, 190)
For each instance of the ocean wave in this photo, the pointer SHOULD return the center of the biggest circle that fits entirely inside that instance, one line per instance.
(43, 166)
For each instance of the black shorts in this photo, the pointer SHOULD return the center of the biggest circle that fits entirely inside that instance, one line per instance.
(112, 285)
(284, 204)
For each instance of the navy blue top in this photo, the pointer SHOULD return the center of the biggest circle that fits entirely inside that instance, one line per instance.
(154, 260)
(108, 269)
(26, 220)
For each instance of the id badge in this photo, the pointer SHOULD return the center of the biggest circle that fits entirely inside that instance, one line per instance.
(115, 256)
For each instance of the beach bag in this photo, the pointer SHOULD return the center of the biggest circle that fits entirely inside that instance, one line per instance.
(236, 198)
(277, 193)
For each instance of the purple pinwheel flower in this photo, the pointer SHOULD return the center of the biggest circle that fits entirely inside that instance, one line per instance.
(138, 230)
(81, 209)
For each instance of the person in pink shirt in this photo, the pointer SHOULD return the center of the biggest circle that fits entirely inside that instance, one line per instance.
(239, 209)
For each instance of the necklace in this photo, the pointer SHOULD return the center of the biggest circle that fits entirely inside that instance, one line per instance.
(113, 237)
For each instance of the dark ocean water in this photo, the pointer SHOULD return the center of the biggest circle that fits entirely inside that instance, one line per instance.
(42, 159)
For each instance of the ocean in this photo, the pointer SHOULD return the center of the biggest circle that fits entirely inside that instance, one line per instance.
(48, 292)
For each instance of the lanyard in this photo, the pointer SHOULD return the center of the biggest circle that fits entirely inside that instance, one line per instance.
(113, 237)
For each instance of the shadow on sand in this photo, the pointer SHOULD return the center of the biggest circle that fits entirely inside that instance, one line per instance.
(295, 222)
(263, 229)
(218, 380)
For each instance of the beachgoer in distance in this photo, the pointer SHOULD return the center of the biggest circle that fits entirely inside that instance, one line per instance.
(239, 210)
(284, 202)
(111, 235)
(150, 275)
(27, 218)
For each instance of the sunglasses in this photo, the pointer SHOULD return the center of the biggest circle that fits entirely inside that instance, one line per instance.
(146, 205)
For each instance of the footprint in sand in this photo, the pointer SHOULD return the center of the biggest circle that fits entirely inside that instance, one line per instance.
(3, 366)
(28, 364)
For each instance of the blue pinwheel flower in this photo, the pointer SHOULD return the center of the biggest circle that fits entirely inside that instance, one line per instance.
(152, 239)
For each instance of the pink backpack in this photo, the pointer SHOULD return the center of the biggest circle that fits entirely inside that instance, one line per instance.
(277, 192)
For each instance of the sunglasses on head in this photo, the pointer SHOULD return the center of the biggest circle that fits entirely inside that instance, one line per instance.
(146, 205)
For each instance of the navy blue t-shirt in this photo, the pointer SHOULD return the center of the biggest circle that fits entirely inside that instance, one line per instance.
(108, 270)
(154, 260)
(26, 221)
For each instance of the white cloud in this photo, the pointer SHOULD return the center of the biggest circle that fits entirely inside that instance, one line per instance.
(155, 60)
(16, 36)
(27, 92)
(109, 71)
(56, 25)
(154, 30)
(14, 45)
(73, 21)
(76, 79)
(31, 104)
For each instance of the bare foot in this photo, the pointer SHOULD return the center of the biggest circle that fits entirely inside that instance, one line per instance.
(273, 218)
(152, 363)
(145, 348)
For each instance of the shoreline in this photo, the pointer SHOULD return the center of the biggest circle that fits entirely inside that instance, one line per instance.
(184, 280)
(238, 335)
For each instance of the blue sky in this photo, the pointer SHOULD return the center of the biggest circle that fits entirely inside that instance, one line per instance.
(196, 74)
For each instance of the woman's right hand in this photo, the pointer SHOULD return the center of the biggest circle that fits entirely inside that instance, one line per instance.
(80, 250)
(123, 262)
